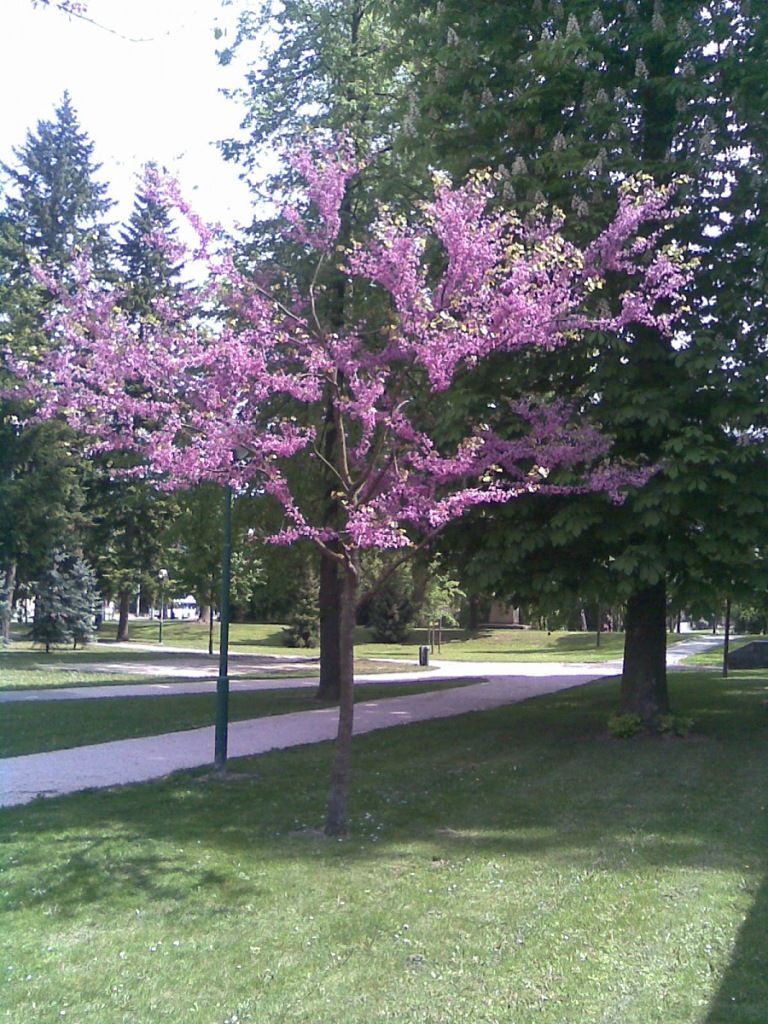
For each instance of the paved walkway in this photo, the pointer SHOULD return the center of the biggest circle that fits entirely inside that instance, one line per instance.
(138, 760)
(24, 778)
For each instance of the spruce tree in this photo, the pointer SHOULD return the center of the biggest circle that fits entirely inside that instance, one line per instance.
(128, 516)
(54, 207)
(65, 597)
(148, 270)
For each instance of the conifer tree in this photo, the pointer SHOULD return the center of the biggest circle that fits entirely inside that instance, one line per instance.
(65, 597)
(128, 517)
(54, 207)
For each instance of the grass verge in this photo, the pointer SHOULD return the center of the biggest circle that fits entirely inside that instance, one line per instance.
(513, 866)
(265, 639)
(715, 656)
(30, 728)
(26, 668)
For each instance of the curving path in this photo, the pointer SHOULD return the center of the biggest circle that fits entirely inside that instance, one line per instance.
(121, 762)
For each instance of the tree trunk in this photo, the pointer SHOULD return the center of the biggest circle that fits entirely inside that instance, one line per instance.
(6, 600)
(727, 640)
(473, 623)
(336, 815)
(124, 604)
(644, 675)
(330, 602)
(204, 614)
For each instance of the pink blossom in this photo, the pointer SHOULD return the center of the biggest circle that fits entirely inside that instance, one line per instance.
(233, 384)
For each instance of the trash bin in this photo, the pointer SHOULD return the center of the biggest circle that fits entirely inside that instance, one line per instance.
(424, 655)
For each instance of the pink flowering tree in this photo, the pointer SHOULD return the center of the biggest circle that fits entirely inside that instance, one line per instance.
(234, 384)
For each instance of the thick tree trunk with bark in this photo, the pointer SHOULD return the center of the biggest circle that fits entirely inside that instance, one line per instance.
(473, 623)
(336, 815)
(330, 599)
(644, 676)
(7, 588)
(124, 604)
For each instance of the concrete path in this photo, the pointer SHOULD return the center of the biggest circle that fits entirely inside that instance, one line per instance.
(120, 762)
(189, 666)
(138, 760)
(439, 671)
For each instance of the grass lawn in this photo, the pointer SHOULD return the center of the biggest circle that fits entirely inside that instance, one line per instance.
(27, 667)
(487, 644)
(715, 656)
(32, 728)
(509, 867)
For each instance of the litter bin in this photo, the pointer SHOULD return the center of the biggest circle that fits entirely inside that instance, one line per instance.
(424, 655)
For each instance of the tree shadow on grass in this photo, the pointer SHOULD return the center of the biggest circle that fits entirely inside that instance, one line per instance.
(743, 994)
(537, 780)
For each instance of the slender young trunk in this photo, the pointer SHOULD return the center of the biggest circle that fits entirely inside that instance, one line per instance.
(644, 676)
(727, 640)
(330, 599)
(599, 627)
(336, 815)
(124, 603)
(6, 600)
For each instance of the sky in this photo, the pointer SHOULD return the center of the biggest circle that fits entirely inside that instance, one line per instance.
(145, 83)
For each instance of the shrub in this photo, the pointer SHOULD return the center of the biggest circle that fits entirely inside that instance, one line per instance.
(624, 727)
(674, 725)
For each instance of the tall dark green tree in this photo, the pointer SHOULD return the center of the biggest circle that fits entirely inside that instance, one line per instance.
(53, 207)
(319, 67)
(567, 99)
(129, 517)
(149, 271)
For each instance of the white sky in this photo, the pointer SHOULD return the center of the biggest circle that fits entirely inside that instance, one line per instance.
(154, 99)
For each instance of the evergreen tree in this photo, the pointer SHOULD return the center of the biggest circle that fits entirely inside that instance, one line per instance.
(149, 270)
(127, 520)
(391, 611)
(303, 626)
(53, 208)
(65, 598)
(128, 517)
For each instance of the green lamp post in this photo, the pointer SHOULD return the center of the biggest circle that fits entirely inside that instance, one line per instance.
(162, 577)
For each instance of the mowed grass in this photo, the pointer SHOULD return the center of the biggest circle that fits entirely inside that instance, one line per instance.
(509, 867)
(486, 644)
(715, 656)
(25, 666)
(457, 644)
(29, 728)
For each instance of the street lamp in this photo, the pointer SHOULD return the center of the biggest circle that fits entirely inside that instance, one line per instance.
(162, 577)
(222, 682)
(221, 732)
